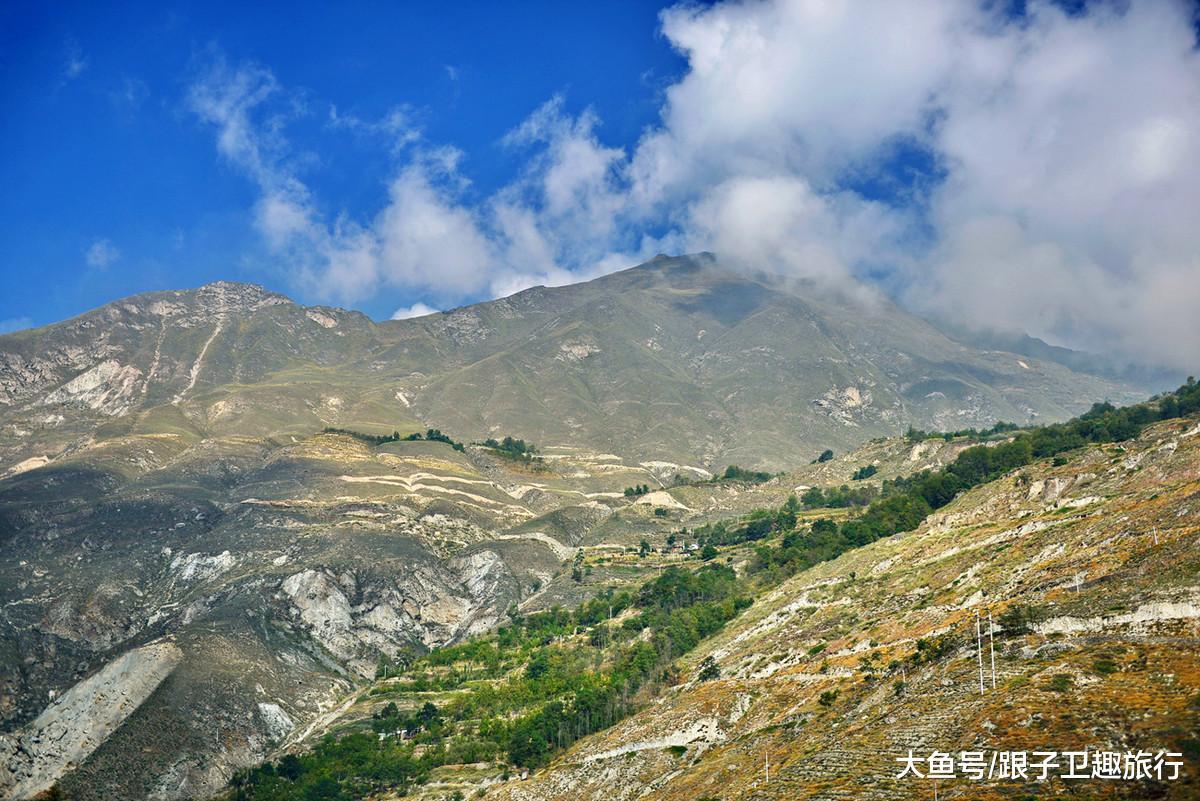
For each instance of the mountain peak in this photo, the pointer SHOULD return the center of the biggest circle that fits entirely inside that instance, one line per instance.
(242, 294)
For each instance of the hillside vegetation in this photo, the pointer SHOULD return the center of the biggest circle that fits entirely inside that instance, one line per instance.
(488, 709)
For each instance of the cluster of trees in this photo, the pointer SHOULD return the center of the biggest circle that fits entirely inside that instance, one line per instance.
(677, 610)
(758, 525)
(337, 769)
(433, 435)
(390, 719)
(735, 473)
(918, 435)
(826, 455)
(838, 497)
(578, 569)
(636, 490)
(370, 439)
(516, 449)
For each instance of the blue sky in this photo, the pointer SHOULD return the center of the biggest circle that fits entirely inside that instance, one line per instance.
(1031, 166)
(99, 144)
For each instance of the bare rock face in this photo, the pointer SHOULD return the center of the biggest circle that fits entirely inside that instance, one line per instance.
(358, 616)
(108, 388)
(80, 720)
(324, 609)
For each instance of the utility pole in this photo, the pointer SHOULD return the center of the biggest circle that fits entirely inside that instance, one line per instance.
(979, 648)
(992, 646)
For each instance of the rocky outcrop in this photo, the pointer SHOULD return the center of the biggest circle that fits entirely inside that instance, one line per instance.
(79, 721)
(357, 616)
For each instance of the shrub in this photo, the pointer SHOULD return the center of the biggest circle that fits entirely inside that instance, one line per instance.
(864, 472)
(1060, 682)
(1019, 619)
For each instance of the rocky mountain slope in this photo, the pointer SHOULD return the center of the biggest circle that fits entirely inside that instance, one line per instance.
(677, 360)
(196, 569)
(259, 582)
(680, 359)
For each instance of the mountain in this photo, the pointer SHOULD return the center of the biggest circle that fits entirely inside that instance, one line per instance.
(211, 540)
(1142, 375)
(677, 359)
(680, 359)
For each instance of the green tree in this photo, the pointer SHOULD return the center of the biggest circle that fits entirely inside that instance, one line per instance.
(324, 789)
(290, 767)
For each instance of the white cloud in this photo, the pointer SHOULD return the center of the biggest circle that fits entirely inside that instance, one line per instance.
(780, 224)
(398, 126)
(1073, 148)
(792, 88)
(415, 310)
(425, 237)
(101, 253)
(1067, 150)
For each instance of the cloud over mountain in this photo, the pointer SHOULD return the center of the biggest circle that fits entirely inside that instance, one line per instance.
(1034, 171)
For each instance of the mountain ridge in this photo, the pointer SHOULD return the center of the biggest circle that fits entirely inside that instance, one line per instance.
(722, 366)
